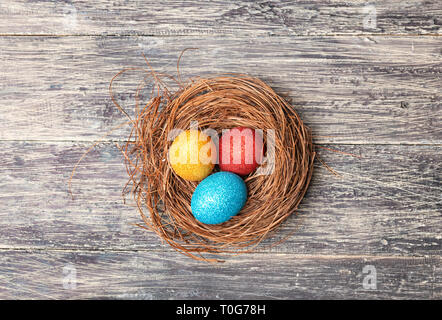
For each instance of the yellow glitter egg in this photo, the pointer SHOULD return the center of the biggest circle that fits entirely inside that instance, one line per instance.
(192, 155)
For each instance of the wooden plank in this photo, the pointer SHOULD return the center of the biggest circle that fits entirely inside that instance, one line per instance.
(159, 275)
(386, 203)
(348, 89)
(220, 17)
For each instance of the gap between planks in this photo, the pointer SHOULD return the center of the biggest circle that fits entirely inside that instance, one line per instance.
(431, 258)
(209, 35)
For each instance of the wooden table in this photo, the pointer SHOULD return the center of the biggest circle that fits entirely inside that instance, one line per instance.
(366, 78)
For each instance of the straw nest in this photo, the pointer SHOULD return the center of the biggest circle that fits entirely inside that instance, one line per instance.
(218, 102)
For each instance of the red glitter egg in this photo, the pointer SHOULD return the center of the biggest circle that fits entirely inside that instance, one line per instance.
(240, 150)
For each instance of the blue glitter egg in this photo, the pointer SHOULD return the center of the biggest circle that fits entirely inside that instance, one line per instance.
(218, 197)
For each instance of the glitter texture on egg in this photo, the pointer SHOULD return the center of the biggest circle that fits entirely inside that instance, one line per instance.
(240, 150)
(192, 155)
(218, 198)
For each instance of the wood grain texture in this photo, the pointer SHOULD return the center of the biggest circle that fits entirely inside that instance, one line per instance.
(159, 275)
(386, 203)
(250, 18)
(365, 76)
(355, 90)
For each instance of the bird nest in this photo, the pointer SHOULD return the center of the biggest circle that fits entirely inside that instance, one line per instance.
(219, 102)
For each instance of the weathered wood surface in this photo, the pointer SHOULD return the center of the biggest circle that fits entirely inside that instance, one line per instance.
(348, 89)
(372, 209)
(249, 18)
(373, 90)
(160, 275)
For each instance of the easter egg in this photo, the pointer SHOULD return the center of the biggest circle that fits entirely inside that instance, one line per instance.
(218, 198)
(240, 150)
(192, 155)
